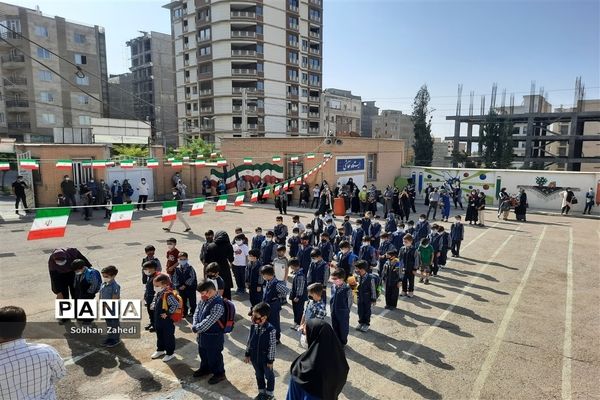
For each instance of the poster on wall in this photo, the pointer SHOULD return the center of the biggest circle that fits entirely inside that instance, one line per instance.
(350, 164)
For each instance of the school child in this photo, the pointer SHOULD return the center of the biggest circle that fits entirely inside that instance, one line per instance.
(150, 272)
(368, 253)
(392, 276)
(330, 228)
(409, 258)
(298, 224)
(280, 231)
(345, 258)
(239, 232)
(210, 334)
(209, 237)
(367, 295)
(254, 280)
(304, 252)
(340, 304)
(357, 236)
(212, 274)
(61, 200)
(410, 228)
(315, 308)
(309, 232)
(86, 283)
(149, 250)
(457, 235)
(385, 246)
(375, 233)
(318, 227)
(172, 256)
(260, 350)
(258, 239)
(298, 294)
(347, 227)
(366, 222)
(442, 256)
(390, 223)
(318, 271)
(435, 239)
(273, 293)
(164, 305)
(294, 242)
(268, 250)
(240, 259)
(185, 281)
(422, 228)
(280, 264)
(445, 201)
(398, 236)
(340, 237)
(425, 251)
(326, 248)
(110, 290)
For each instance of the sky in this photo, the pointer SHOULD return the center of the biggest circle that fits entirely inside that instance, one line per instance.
(384, 50)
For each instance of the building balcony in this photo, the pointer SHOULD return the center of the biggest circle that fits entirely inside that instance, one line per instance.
(207, 127)
(205, 75)
(293, 44)
(13, 61)
(292, 95)
(17, 105)
(314, 99)
(293, 78)
(314, 51)
(316, 2)
(238, 90)
(15, 84)
(206, 110)
(206, 92)
(243, 15)
(314, 18)
(19, 125)
(243, 53)
(293, 27)
(315, 35)
(249, 109)
(243, 34)
(314, 115)
(314, 83)
(293, 61)
(293, 8)
(292, 112)
(9, 39)
(243, 71)
(293, 129)
(313, 130)
(314, 67)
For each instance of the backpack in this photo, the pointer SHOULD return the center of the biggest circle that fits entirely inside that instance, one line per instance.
(178, 314)
(227, 321)
(378, 285)
(92, 274)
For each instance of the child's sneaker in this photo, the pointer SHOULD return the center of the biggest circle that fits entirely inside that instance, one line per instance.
(364, 328)
(402, 294)
(421, 280)
(157, 354)
(168, 357)
(359, 327)
(410, 295)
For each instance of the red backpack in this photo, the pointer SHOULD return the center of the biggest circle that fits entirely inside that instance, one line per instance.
(227, 321)
(178, 314)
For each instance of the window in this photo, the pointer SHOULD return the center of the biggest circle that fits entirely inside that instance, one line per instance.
(41, 31)
(204, 51)
(294, 169)
(43, 53)
(204, 34)
(83, 99)
(259, 29)
(85, 120)
(85, 81)
(47, 97)
(371, 167)
(259, 48)
(304, 93)
(48, 119)
(80, 59)
(79, 38)
(178, 13)
(45, 76)
(304, 108)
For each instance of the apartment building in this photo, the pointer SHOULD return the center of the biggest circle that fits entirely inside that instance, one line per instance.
(153, 75)
(120, 88)
(341, 113)
(368, 111)
(35, 99)
(393, 124)
(247, 68)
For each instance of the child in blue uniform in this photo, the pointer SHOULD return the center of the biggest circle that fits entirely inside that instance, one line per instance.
(392, 276)
(268, 250)
(164, 305)
(294, 242)
(326, 248)
(275, 291)
(150, 272)
(367, 295)
(254, 280)
(345, 258)
(260, 350)
(409, 257)
(110, 290)
(457, 234)
(298, 294)
(368, 253)
(318, 271)
(185, 281)
(340, 304)
(258, 239)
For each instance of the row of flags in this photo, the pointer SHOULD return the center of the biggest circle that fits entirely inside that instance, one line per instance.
(199, 161)
(52, 222)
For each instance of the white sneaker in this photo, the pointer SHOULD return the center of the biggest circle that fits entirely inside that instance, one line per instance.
(364, 328)
(359, 327)
(168, 357)
(157, 354)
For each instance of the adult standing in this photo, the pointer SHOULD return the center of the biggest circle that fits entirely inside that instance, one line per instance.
(321, 371)
(589, 201)
(567, 201)
(206, 187)
(324, 201)
(19, 187)
(316, 196)
(221, 252)
(396, 202)
(457, 197)
(434, 201)
(502, 198)
(182, 189)
(143, 191)
(481, 209)
(428, 191)
(68, 189)
(29, 370)
(176, 178)
(521, 207)
(61, 273)
(116, 192)
(388, 196)
(472, 214)
(282, 202)
(127, 191)
(93, 186)
(405, 204)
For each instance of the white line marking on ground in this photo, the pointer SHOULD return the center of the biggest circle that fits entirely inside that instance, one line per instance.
(514, 301)
(73, 360)
(566, 367)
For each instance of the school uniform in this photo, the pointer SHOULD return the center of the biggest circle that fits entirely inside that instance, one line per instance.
(299, 292)
(457, 234)
(254, 280)
(210, 335)
(366, 226)
(357, 237)
(186, 276)
(331, 230)
(260, 348)
(268, 252)
(347, 228)
(375, 233)
(410, 262)
(445, 245)
(158, 267)
(172, 259)
(315, 309)
(368, 254)
(273, 293)
(257, 242)
(391, 276)
(318, 272)
(164, 303)
(318, 227)
(149, 293)
(435, 240)
(340, 304)
(281, 233)
(240, 254)
(326, 251)
(422, 230)
(108, 291)
(384, 247)
(398, 239)
(367, 294)
(294, 243)
(304, 256)
(346, 262)
(390, 224)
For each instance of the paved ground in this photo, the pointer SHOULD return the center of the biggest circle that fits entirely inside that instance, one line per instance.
(517, 317)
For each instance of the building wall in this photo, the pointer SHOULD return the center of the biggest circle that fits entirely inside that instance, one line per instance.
(341, 113)
(120, 89)
(368, 111)
(393, 124)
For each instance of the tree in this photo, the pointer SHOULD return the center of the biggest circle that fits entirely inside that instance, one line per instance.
(497, 142)
(459, 157)
(421, 119)
(131, 150)
(192, 147)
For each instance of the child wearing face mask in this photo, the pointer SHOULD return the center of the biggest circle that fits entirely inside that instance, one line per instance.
(315, 308)
(258, 239)
(294, 242)
(240, 259)
(298, 294)
(172, 256)
(368, 253)
(367, 295)
(326, 248)
(309, 232)
(254, 280)
(345, 258)
(357, 236)
(340, 304)
(164, 305)
(392, 277)
(318, 272)
(150, 271)
(110, 290)
(179, 199)
(212, 274)
(87, 282)
(422, 228)
(260, 350)
(185, 281)
(280, 231)
(457, 234)
(274, 292)
(149, 250)
(280, 264)
(268, 249)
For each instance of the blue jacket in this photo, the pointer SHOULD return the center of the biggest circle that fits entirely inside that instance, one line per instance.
(203, 311)
(457, 232)
(253, 276)
(384, 247)
(367, 291)
(331, 230)
(366, 225)
(257, 241)
(326, 251)
(281, 233)
(346, 261)
(304, 257)
(341, 300)
(299, 286)
(317, 273)
(369, 254)
(294, 243)
(357, 237)
(390, 224)
(397, 239)
(348, 228)
(268, 252)
(422, 230)
(261, 347)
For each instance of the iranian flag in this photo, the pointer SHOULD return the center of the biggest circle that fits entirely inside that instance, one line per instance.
(294, 159)
(299, 179)
(86, 164)
(247, 161)
(127, 164)
(254, 197)
(292, 183)
(28, 163)
(310, 156)
(170, 159)
(169, 211)
(277, 159)
(49, 223)
(97, 164)
(200, 163)
(198, 206)
(121, 217)
(221, 162)
(285, 186)
(327, 155)
(4, 166)
(266, 193)
(152, 163)
(110, 163)
(186, 158)
(176, 163)
(239, 200)
(277, 190)
(64, 164)
(222, 203)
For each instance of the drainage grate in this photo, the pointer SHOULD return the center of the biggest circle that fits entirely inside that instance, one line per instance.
(18, 230)
(133, 244)
(2, 255)
(94, 247)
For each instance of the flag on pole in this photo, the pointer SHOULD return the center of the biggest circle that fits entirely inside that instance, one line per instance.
(121, 217)
(98, 164)
(277, 190)
(277, 159)
(176, 163)
(152, 163)
(222, 203)
(294, 159)
(247, 161)
(310, 156)
(198, 206)
(28, 163)
(127, 163)
(221, 162)
(169, 211)
(4, 166)
(64, 164)
(239, 200)
(254, 197)
(266, 193)
(49, 223)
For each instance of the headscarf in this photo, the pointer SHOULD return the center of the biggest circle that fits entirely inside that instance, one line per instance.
(321, 370)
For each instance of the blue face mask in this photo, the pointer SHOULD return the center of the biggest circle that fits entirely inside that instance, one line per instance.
(183, 263)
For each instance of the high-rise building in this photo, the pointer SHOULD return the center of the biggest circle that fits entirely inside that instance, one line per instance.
(35, 97)
(153, 74)
(120, 88)
(340, 113)
(248, 68)
(368, 111)
(393, 124)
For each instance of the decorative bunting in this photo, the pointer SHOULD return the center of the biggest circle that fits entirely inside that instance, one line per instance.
(310, 156)
(221, 162)
(198, 206)
(294, 159)
(49, 223)
(98, 164)
(214, 155)
(254, 197)
(239, 200)
(169, 210)
(266, 193)
(127, 164)
(110, 163)
(152, 163)
(176, 163)
(247, 161)
(221, 203)
(292, 183)
(327, 155)
(86, 164)
(277, 159)
(285, 186)
(277, 190)
(121, 217)
(28, 163)
(200, 163)
(64, 164)
(299, 179)
(4, 166)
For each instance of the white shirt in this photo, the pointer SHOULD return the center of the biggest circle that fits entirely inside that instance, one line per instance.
(143, 189)
(29, 370)
(316, 192)
(239, 254)
(300, 227)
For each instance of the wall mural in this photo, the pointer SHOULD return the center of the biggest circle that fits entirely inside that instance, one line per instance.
(466, 180)
(547, 191)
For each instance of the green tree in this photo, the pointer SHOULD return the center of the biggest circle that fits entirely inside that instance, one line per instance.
(497, 142)
(131, 150)
(421, 119)
(459, 157)
(192, 147)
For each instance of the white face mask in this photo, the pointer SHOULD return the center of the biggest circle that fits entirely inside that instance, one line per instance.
(174, 193)
(421, 219)
(239, 242)
(78, 272)
(61, 262)
(314, 260)
(269, 239)
(170, 246)
(294, 234)
(147, 273)
(309, 230)
(106, 280)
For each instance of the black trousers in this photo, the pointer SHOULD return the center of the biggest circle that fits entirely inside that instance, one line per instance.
(456, 247)
(239, 272)
(283, 207)
(165, 335)
(142, 199)
(189, 300)
(63, 283)
(21, 199)
(150, 314)
(298, 309)
(587, 209)
(565, 209)
(408, 282)
(391, 295)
